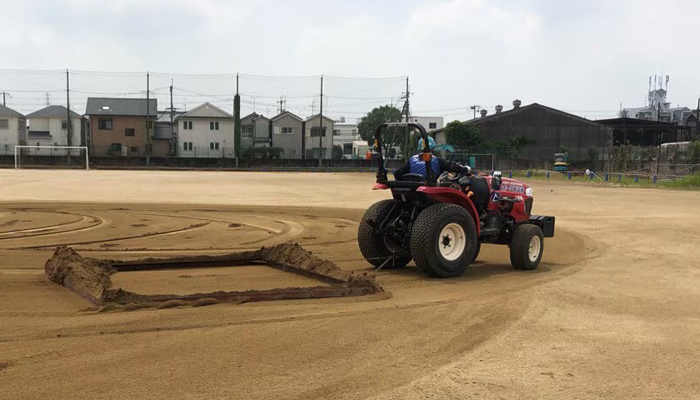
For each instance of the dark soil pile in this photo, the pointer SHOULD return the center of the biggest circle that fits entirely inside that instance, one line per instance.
(85, 276)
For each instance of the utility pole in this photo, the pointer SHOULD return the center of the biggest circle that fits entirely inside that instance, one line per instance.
(406, 110)
(475, 108)
(320, 130)
(69, 126)
(148, 119)
(46, 97)
(3, 99)
(237, 124)
(697, 123)
(172, 120)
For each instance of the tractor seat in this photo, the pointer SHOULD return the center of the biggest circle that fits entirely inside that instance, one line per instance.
(413, 178)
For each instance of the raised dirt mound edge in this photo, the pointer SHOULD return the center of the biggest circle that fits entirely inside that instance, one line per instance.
(90, 278)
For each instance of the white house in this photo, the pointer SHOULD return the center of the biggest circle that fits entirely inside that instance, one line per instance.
(13, 127)
(48, 127)
(317, 135)
(429, 123)
(344, 134)
(205, 131)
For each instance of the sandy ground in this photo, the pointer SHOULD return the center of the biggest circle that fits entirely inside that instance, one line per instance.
(612, 312)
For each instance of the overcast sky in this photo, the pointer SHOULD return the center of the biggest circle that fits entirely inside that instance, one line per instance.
(583, 56)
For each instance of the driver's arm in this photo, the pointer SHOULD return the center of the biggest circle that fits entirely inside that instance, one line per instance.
(452, 167)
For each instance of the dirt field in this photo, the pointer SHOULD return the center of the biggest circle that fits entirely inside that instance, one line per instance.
(612, 312)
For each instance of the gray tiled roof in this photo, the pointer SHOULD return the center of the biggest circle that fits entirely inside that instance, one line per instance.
(53, 111)
(8, 112)
(119, 106)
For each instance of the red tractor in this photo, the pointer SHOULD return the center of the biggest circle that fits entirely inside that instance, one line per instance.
(441, 221)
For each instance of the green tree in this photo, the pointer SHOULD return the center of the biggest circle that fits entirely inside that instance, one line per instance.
(462, 136)
(393, 136)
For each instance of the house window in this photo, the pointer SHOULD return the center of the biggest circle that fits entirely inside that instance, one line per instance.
(214, 146)
(64, 125)
(104, 124)
(354, 131)
(4, 124)
(247, 131)
(116, 147)
(293, 152)
(187, 146)
(287, 130)
(214, 125)
(129, 132)
(315, 131)
(134, 149)
(432, 125)
(187, 125)
(336, 132)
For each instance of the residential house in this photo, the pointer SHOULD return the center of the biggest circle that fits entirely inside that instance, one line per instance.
(344, 134)
(49, 127)
(118, 127)
(429, 123)
(255, 131)
(167, 129)
(288, 134)
(205, 131)
(13, 128)
(317, 136)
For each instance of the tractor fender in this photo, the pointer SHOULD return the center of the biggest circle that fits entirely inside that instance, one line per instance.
(448, 195)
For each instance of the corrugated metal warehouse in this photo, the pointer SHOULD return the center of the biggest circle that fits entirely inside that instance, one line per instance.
(548, 128)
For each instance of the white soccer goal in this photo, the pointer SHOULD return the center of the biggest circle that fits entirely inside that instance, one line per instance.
(51, 151)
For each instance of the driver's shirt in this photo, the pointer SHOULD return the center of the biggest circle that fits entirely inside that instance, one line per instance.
(417, 166)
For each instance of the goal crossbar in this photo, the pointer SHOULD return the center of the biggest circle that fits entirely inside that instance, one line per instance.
(18, 154)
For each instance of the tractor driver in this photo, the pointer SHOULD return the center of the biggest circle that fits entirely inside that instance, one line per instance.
(415, 165)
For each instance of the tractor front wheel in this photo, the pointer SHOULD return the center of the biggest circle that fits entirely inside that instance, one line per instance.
(443, 240)
(378, 249)
(526, 247)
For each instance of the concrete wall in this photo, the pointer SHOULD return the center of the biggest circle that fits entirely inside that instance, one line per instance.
(291, 143)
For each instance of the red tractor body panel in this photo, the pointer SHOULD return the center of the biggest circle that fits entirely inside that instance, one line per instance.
(512, 189)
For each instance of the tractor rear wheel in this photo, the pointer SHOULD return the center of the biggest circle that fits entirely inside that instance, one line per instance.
(526, 247)
(375, 247)
(443, 240)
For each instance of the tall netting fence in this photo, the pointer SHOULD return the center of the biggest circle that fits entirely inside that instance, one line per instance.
(191, 115)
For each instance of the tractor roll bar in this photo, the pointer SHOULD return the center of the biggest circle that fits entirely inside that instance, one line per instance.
(426, 154)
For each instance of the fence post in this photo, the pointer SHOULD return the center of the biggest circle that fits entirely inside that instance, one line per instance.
(619, 178)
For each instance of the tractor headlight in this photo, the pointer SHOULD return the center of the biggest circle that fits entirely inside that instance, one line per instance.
(528, 192)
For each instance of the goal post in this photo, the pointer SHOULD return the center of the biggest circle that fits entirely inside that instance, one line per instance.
(42, 151)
